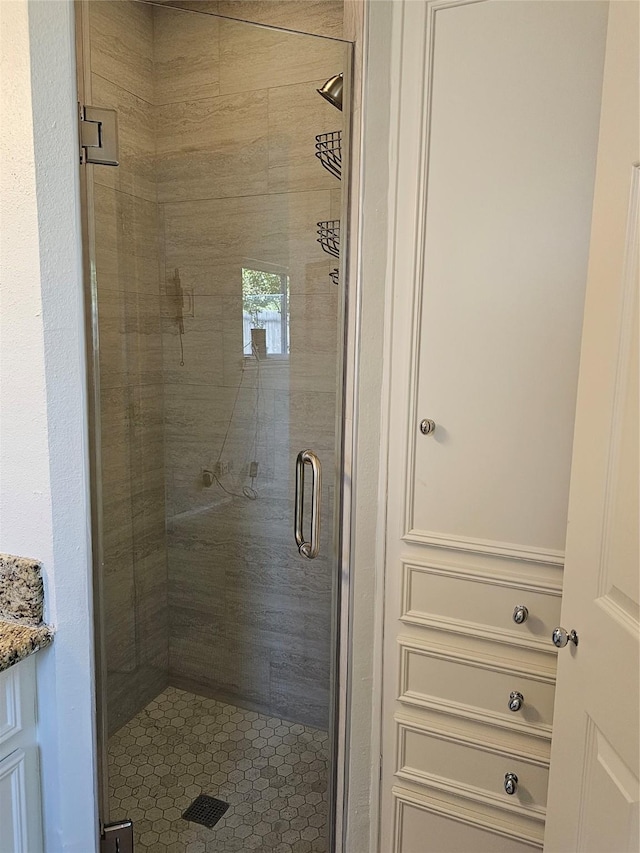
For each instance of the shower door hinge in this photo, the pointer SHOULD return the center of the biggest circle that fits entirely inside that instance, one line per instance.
(117, 837)
(98, 136)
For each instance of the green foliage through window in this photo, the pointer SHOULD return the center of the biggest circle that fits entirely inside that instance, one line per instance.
(261, 291)
(265, 305)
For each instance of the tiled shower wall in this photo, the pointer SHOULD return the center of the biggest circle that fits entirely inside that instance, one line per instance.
(217, 125)
(317, 17)
(239, 185)
(131, 372)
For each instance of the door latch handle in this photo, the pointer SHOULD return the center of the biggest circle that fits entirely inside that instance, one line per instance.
(561, 637)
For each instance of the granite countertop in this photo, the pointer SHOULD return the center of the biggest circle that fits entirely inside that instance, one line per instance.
(22, 630)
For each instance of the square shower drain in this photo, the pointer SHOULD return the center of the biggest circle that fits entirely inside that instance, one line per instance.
(206, 810)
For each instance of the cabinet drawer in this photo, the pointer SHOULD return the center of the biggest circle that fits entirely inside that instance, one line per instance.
(435, 596)
(416, 821)
(429, 675)
(425, 756)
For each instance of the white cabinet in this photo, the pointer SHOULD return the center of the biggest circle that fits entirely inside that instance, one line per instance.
(20, 809)
(497, 107)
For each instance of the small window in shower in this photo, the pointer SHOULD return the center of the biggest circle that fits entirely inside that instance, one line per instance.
(265, 313)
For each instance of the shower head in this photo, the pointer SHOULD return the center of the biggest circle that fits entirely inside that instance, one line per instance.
(332, 91)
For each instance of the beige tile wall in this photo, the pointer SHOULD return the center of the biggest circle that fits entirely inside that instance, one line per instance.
(317, 17)
(131, 374)
(239, 184)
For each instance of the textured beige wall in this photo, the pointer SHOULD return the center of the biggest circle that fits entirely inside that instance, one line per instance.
(239, 184)
(44, 507)
(127, 273)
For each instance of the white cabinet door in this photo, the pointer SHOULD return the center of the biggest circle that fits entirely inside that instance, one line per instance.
(20, 825)
(513, 116)
(594, 790)
(20, 800)
(13, 804)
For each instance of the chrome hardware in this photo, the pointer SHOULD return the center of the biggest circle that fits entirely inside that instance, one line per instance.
(520, 614)
(117, 837)
(427, 426)
(99, 136)
(332, 90)
(561, 637)
(516, 701)
(308, 549)
(510, 783)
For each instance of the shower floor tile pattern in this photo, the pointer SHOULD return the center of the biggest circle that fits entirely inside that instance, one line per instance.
(272, 773)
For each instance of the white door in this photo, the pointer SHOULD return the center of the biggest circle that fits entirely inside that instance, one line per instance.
(593, 791)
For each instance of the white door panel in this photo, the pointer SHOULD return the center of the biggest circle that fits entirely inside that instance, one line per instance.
(508, 207)
(594, 790)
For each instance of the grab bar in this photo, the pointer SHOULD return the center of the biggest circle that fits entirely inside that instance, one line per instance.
(308, 549)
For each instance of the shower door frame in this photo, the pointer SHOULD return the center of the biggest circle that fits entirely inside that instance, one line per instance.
(355, 13)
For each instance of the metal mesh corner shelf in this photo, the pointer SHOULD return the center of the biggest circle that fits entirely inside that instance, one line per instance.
(329, 151)
(329, 236)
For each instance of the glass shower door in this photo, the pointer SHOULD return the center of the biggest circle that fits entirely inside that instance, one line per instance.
(215, 289)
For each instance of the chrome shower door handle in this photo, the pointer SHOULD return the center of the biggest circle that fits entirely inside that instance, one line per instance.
(312, 548)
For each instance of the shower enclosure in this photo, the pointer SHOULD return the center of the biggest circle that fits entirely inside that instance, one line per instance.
(216, 305)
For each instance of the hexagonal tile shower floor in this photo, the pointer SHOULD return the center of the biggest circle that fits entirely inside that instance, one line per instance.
(272, 773)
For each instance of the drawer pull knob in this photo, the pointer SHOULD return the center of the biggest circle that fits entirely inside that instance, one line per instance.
(427, 426)
(510, 783)
(516, 701)
(561, 637)
(520, 614)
